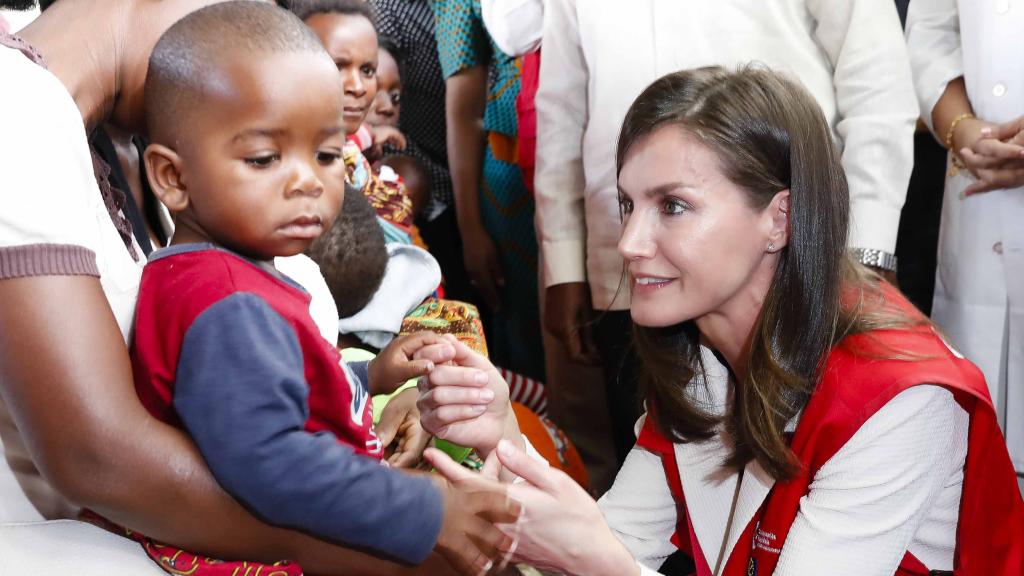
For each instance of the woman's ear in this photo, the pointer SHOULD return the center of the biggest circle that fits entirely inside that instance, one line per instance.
(164, 170)
(778, 238)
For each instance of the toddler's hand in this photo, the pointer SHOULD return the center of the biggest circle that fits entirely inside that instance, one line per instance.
(401, 421)
(384, 135)
(395, 364)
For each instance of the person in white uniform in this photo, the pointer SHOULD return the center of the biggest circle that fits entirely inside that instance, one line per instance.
(968, 63)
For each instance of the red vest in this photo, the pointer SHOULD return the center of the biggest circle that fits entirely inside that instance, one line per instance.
(855, 384)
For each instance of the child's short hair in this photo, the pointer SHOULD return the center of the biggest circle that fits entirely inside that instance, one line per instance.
(306, 8)
(189, 49)
(351, 255)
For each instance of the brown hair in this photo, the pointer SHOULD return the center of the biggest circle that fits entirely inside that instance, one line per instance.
(769, 135)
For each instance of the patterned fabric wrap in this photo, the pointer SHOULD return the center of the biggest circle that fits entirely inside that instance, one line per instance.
(459, 319)
(384, 189)
(463, 42)
(179, 562)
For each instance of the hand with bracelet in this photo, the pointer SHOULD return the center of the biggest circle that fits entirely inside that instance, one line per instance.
(993, 153)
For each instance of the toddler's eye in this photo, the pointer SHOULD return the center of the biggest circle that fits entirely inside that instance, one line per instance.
(262, 161)
(328, 158)
(396, 98)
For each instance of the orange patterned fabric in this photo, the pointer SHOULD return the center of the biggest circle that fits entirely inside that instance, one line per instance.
(448, 317)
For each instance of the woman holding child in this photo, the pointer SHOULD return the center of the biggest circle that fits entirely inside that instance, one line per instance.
(802, 417)
(74, 433)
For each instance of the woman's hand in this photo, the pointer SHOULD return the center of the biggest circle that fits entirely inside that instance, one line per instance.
(401, 420)
(994, 154)
(396, 364)
(483, 264)
(466, 402)
(560, 527)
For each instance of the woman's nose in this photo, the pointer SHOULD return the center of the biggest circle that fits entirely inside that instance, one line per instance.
(636, 241)
(354, 84)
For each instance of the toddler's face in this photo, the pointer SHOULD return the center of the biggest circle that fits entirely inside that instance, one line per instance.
(262, 166)
(352, 43)
(387, 105)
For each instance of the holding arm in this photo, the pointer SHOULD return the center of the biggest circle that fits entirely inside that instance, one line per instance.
(464, 63)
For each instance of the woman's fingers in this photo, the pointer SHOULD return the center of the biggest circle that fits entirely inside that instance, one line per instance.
(536, 473)
(994, 148)
(442, 376)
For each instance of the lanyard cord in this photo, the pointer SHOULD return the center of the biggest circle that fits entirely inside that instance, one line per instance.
(728, 527)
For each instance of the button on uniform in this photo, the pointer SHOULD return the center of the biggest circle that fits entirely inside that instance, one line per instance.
(997, 248)
(999, 89)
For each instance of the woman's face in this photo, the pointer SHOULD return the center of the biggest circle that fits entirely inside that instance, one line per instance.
(352, 42)
(690, 240)
(387, 105)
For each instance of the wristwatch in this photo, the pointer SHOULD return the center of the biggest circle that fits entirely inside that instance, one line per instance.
(875, 258)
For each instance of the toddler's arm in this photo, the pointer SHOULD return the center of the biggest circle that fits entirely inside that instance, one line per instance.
(242, 394)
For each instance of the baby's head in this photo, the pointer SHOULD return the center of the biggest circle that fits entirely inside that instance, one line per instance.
(387, 106)
(243, 112)
(352, 255)
(348, 30)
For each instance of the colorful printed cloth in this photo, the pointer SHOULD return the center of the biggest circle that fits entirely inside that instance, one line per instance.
(459, 319)
(384, 189)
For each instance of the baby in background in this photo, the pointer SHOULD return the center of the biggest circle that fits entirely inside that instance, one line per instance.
(244, 115)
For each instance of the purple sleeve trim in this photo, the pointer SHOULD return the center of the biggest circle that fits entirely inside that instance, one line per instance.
(47, 260)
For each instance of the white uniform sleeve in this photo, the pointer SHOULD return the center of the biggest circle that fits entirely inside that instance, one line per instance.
(640, 510)
(877, 111)
(933, 41)
(561, 117)
(866, 503)
(514, 25)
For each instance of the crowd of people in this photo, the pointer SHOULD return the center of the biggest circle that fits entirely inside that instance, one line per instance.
(403, 286)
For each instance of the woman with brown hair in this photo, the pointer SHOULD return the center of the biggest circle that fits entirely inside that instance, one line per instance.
(802, 417)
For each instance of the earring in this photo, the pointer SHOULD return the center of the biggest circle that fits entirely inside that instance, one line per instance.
(771, 246)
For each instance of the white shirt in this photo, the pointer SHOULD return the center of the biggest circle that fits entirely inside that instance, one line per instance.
(48, 195)
(894, 486)
(598, 56)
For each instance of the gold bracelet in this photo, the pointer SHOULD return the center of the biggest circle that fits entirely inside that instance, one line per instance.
(952, 128)
(957, 163)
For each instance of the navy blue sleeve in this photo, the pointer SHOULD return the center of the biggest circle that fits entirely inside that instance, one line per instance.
(242, 395)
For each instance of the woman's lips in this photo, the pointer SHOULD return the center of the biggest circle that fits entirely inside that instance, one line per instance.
(650, 284)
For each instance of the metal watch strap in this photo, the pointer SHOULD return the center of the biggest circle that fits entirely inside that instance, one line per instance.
(875, 258)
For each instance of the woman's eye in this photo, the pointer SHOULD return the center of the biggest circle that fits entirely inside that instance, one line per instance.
(625, 205)
(369, 71)
(328, 158)
(396, 98)
(672, 206)
(262, 161)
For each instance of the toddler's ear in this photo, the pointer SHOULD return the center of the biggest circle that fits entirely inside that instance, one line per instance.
(163, 168)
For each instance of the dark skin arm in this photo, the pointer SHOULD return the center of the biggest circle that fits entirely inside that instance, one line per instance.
(465, 100)
(67, 380)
